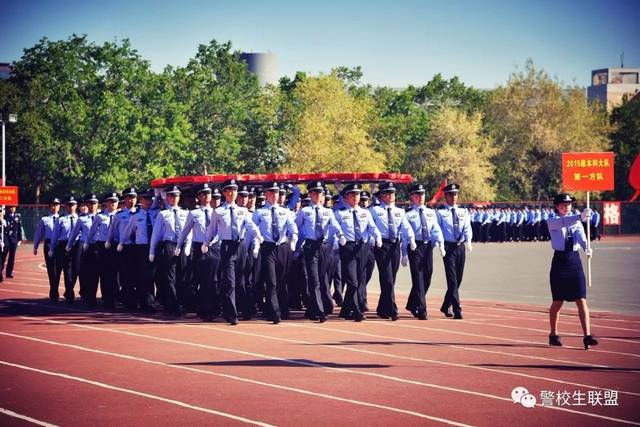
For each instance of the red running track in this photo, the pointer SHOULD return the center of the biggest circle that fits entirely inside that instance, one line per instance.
(63, 365)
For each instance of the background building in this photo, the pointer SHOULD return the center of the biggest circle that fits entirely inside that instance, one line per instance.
(609, 85)
(263, 65)
(5, 70)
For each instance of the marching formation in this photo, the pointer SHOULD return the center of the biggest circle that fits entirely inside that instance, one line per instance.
(237, 251)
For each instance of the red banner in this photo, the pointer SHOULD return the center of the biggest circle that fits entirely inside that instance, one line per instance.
(9, 196)
(587, 171)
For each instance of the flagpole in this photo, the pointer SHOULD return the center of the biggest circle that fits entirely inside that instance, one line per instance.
(588, 242)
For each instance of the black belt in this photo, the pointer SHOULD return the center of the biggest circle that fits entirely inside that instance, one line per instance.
(273, 243)
(454, 243)
(313, 242)
(232, 241)
(389, 240)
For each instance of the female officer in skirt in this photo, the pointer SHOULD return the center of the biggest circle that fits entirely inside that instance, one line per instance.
(567, 276)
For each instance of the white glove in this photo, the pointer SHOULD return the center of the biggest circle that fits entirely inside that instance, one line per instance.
(292, 245)
(256, 251)
(585, 215)
(259, 239)
(342, 241)
(204, 248)
(19, 243)
(85, 246)
(107, 244)
(35, 251)
(404, 260)
(442, 251)
(67, 248)
(379, 243)
(50, 253)
(468, 246)
(412, 245)
(152, 258)
(187, 250)
(589, 252)
(176, 252)
(120, 247)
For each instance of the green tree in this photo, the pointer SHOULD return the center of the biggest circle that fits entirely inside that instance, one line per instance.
(533, 121)
(327, 129)
(625, 143)
(456, 150)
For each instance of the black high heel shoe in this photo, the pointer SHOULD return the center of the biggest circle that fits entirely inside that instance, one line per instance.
(589, 340)
(555, 340)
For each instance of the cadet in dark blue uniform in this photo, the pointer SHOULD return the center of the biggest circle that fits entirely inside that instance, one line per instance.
(15, 234)
(44, 232)
(456, 230)
(566, 276)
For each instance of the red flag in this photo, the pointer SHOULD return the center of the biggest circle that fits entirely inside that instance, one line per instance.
(439, 193)
(634, 177)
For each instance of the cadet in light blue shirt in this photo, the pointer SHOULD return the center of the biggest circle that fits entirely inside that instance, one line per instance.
(44, 232)
(566, 276)
(394, 228)
(66, 261)
(88, 267)
(456, 230)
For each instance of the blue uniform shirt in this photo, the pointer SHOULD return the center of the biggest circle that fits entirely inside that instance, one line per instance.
(81, 229)
(363, 228)
(197, 222)
(45, 228)
(62, 232)
(165, 229)
(118, 225)
(459, 233)
(100, 227)
(561, 228)
(316, 222)
(272, 219)
(223, 226)
(399, 223)
(424, 222)
(139, 223)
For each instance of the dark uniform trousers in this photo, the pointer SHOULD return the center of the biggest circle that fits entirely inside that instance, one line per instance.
(69, 265)
(127, 273)
(232, 254)
(453, 269)
(10, 247)
(421, 266)
(274, 268)
(388, 261)
(171, 276)
(338, 286)
(327, 270)
(297, 283)
(52, 271)
(87, 270)
(145, 276)
(252, 267)
(353, 258)
(312, 253)
(108, 272)
(370, 265)
(204, 284)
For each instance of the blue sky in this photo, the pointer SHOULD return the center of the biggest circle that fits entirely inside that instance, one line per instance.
(397, 43)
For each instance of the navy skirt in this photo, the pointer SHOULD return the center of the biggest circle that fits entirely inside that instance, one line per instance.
(567, 277)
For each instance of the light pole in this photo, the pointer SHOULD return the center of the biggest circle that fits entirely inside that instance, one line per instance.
(13, 118)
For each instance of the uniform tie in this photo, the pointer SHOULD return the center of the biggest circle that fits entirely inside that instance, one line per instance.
(72, 223)
(393, 231)
(177, 227)
(318, 225)
(234, 225)
(149, 226)
(356, 226)
(423, 225)
(275, 233)
(456, 225)
(207, 218)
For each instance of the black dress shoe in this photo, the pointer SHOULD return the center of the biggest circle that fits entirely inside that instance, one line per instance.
(457, 315)
(589, 340)
(322, 318)
(276, 320)
(554, 340)
(446, 312)
(10, 276)
(395, 317)
(422, 316)
(359, 317)
(383, 316)
(232, 322)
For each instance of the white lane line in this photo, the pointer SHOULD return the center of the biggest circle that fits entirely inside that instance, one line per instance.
(10, 413)
(546, 313)
(297, 362)
(234, 377)
(137, 393)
